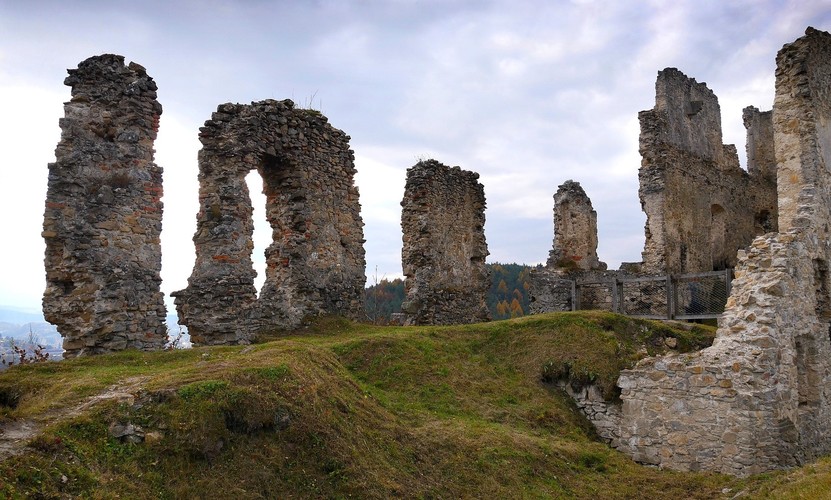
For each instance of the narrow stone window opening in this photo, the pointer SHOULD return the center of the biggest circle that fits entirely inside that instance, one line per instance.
(262, 232)
(764, 223)
(718, 231)
(823, 304)
(694, 107)
(807, 365)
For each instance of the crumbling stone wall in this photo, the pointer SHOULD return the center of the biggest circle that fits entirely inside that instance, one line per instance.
(575, 230)
(103, 213)
(760, 397)
(443, 255)
(573, 255)
(550, 291)
(701, 207)
(315, 264)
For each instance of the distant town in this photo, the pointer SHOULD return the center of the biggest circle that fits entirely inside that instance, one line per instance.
(28, 331)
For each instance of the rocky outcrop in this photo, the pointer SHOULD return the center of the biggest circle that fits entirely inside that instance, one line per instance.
(103, 215)
(315, 263)
(443, 255)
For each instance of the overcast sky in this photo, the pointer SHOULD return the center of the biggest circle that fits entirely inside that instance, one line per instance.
(527, 93)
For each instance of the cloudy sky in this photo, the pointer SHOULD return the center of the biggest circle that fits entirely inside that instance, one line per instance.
(529, 93)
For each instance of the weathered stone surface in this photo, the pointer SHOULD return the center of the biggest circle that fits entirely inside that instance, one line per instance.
(550, 290)
(760, 397)
(103, 213)
(700, 206)
(575, 230)
(443, 255)
(604, 415)
(315, 264)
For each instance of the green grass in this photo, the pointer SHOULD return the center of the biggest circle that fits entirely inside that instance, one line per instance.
(341, 410)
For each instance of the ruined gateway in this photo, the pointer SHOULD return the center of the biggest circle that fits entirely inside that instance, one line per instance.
(760, 397)
(315, 263)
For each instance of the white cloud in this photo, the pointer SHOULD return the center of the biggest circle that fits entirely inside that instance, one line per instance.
(526, 93)
(26, 146)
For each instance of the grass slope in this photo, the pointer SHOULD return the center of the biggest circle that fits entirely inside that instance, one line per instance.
(344, 410)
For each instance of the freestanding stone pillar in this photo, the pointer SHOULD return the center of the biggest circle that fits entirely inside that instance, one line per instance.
(315, 264)
(103, 213)
(575, 230)
(444, 250)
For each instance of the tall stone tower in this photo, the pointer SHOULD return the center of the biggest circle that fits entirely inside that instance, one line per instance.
(443, 219)
(103, 215)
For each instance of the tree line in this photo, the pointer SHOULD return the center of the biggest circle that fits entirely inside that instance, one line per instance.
(507, 295)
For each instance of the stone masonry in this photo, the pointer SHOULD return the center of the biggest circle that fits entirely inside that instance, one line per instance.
(315, 263)
(575, 230)
(103, 213)
(700, 206)
(573, 257)
(443, 255)
(760, 397)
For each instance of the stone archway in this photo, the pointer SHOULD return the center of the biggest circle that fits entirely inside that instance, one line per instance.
(315, 263)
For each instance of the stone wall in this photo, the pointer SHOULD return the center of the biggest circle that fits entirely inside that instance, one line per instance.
(575, 230)
(604, 415)
(315, 264)
(549, 291)
(701, 207)
(103, 213)
(443, 256)
(760, 397)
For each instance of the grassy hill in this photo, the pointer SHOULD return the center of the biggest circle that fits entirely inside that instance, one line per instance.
(342, 410)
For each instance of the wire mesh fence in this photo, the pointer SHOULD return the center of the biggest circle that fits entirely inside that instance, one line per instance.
(595, 295)
(700, 296)
(686, 296)
(646, 297)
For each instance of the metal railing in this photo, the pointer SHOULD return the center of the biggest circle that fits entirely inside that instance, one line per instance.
(685, 296)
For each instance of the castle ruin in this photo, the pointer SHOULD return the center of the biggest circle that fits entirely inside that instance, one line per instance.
(575, 230)
(315, 263)
(444, 250)
(103, 216)
(760, 397)
(700, 206)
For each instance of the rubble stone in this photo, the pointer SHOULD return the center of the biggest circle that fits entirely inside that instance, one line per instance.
(315, 263)
(103, 214)
(443, 255)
